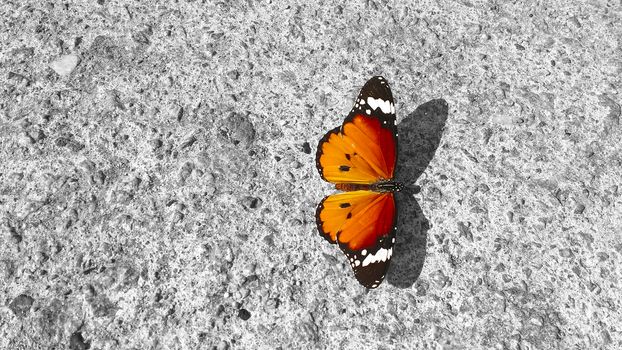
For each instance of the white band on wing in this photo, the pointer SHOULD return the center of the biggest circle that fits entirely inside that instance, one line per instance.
(381, 255)
(385, 106)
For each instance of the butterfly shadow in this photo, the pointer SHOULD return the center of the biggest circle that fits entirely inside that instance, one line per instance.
(419, 137)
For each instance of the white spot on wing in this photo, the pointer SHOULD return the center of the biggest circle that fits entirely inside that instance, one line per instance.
(368, 111)
(374, 103)
(380, 256)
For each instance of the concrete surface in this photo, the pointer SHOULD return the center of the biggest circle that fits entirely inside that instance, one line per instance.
(158, 185)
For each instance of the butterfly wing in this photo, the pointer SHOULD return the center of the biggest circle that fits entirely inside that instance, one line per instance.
(364, 149)
(363, 224)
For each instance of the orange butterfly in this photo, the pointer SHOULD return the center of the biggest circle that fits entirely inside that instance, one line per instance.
(359, 158)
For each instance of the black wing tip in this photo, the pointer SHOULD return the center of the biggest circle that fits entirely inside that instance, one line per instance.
(377, 77)
(370, 266)
(373, 279)
(378, 82)
(372, 286)
(377, 88)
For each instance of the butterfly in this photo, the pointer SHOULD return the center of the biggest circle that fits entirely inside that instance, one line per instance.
(359, 157)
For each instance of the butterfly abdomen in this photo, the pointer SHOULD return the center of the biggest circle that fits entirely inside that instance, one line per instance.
(382, 186)
(353, 187)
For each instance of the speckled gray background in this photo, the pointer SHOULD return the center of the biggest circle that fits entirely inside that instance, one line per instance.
(158, 185)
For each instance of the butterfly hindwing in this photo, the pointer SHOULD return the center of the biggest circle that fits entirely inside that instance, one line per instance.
(364, 149)
(363, 224)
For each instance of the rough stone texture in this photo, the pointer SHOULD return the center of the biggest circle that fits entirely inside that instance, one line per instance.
(161, 195)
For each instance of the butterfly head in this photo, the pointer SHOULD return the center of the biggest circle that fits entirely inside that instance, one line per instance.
(398, 186)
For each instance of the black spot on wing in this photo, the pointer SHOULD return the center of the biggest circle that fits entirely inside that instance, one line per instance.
(344, 205)
(344, 168)
(349, 216)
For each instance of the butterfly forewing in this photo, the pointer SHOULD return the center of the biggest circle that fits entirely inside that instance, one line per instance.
(364, 148)
(363, 224)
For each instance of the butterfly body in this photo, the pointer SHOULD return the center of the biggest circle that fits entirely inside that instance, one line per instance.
(359, 157)
(381, 186)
